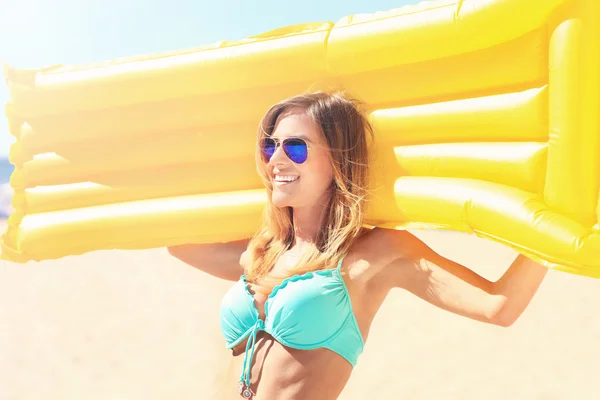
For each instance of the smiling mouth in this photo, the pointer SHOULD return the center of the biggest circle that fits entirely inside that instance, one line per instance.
(285, 182)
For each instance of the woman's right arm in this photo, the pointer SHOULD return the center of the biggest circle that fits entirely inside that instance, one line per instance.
(223, 260)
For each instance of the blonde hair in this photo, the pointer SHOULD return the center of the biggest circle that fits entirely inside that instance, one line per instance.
(345, 129)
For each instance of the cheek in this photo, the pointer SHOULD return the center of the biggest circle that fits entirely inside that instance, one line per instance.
(320, 173)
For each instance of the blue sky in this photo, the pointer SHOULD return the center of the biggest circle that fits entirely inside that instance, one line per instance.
(36, 33)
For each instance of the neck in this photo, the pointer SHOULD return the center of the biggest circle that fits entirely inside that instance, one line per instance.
(307, 224)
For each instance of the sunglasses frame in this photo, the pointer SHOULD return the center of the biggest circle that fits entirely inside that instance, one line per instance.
(279, 143)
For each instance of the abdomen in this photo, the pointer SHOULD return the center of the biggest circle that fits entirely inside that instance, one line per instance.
(280, 372)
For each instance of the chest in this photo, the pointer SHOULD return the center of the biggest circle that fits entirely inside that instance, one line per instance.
(304, 300)
(319, 297)
(281, 268)
(363, 281)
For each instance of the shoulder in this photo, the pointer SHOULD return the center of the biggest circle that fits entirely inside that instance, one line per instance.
(390, 243)
(246, 260)
(377, 248)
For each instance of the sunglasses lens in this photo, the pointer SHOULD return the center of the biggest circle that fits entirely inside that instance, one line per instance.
(268, 146)
(296, 150)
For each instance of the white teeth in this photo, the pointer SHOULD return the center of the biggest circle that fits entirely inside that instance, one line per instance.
(285, 178)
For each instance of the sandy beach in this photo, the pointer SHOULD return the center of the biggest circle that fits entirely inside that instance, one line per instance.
(142, 325)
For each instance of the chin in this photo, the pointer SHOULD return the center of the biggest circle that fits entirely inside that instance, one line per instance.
(280, 201)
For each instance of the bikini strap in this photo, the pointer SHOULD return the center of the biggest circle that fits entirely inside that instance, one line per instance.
(339, 266)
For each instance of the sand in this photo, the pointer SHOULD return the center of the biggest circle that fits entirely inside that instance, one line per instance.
(142, 325)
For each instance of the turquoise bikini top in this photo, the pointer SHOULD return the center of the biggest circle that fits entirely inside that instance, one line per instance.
(305, 312)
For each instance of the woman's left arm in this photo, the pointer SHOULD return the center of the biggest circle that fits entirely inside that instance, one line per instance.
(455, 288)
(517, 286)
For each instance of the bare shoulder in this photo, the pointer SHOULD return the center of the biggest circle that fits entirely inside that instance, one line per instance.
(376, 249)
(388, 244)
(245, 259)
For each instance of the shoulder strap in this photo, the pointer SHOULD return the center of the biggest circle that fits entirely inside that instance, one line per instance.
(339, 266)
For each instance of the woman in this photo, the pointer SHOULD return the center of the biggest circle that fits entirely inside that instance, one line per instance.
(314, 275)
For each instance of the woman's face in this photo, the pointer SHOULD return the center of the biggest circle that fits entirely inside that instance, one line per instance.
(314, 176)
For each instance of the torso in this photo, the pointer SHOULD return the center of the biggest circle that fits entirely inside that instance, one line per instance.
(280, 372)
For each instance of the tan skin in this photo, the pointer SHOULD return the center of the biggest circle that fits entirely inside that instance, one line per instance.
(378, 261)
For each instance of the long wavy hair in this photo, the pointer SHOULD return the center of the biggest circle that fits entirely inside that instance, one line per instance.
(346, 130)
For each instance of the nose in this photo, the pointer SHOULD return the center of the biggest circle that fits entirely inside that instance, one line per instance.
(278, 156)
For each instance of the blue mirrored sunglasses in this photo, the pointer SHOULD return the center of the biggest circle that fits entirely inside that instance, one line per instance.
(295, 148)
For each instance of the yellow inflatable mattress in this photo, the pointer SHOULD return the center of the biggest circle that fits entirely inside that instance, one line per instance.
(486, 117)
